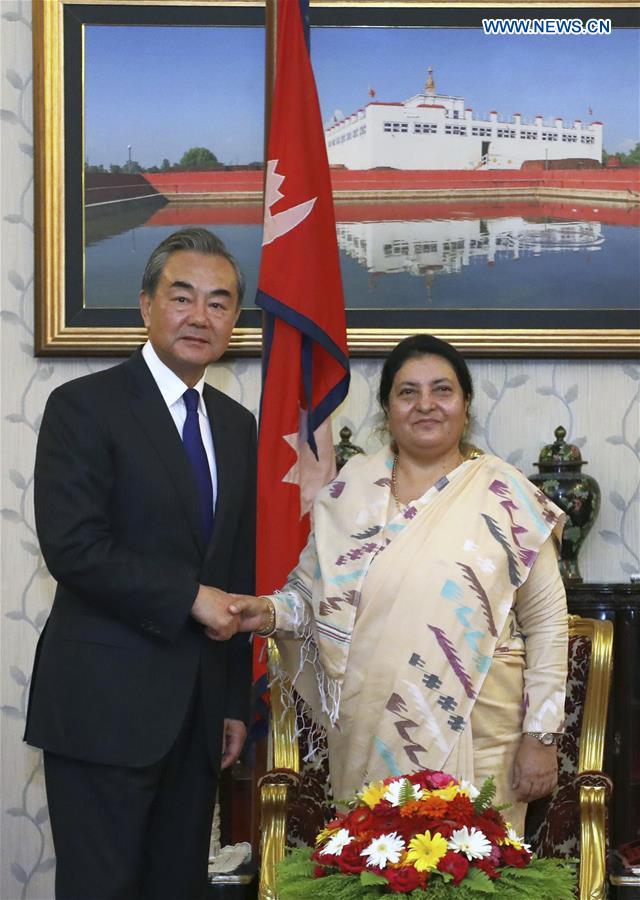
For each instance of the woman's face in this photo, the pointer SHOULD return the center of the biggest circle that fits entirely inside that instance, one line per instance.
(427, 409)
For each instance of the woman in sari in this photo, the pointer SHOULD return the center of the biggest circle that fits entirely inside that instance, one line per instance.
(425, 624)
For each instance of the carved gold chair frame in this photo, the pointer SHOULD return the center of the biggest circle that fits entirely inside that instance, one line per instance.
(277, 784)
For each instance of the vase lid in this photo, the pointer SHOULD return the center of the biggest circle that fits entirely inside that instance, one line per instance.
(560, 453)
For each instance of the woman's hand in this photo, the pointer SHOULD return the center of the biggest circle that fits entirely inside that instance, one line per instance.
(255, 612)
(535, 770)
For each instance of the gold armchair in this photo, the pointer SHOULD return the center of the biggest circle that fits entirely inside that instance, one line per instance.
(573, 820)
(580, 797)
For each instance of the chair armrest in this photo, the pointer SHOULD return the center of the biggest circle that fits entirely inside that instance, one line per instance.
(594, 789)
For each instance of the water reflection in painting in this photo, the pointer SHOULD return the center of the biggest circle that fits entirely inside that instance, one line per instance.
(511, 254)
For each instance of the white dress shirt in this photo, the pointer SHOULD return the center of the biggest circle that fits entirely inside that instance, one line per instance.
(172, 389)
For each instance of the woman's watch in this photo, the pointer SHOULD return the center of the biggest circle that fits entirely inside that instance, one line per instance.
(548, 738)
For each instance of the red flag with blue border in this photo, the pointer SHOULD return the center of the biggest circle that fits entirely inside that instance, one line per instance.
(305, 363)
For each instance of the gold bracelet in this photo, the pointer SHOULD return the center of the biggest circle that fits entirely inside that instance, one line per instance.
(270, 627)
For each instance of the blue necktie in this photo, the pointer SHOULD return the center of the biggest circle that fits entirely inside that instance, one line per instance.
(192, 440)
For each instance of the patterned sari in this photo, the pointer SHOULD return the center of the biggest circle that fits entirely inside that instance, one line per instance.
(398, 616)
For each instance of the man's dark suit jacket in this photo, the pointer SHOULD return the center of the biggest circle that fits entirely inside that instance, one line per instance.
(117, 516)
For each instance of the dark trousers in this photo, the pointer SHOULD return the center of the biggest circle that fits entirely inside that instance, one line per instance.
(134, 834)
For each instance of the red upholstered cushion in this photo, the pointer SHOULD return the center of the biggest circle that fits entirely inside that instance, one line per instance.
(553, 823)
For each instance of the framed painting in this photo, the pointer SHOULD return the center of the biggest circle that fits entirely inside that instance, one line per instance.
(498, 230)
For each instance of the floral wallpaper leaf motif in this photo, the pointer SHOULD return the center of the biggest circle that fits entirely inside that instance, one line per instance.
(14, 78)
(610, 537)
(46, 865)
(16, 219)
(9, 116)
(514, 457)
(16, 280)
(17, 479)
(571, 394)
(490, 389)
(18, 873)
(41, 816)
(618, 501)
(545, 391)
(517, 381)
(18, 676)
(615, 439)
(27, 149)
(629, 568)
(42, 616)
(632, 372)
(33, 549)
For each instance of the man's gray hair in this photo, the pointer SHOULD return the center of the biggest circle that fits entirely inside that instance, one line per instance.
(198, 239)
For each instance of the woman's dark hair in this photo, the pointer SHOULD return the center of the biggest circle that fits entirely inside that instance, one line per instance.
(422, 345)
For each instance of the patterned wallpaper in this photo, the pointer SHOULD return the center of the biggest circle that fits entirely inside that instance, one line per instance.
(518, 405)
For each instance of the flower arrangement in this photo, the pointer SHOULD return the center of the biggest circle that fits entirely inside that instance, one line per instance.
(425, 835)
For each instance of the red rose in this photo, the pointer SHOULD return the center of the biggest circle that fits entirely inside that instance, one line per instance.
(512, 857)
(454, 863)
(487, 867)
(320, 871)
(350, 861)
(404, 879)
(439, 780)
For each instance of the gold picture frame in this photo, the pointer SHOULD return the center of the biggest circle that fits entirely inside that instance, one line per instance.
(60, 333)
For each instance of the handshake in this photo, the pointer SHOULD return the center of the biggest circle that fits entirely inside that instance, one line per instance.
(225, 614)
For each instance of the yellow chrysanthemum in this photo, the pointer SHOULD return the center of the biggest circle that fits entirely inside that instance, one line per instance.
(373, 793)
(425, 851)
(447, 793)
(325, 833)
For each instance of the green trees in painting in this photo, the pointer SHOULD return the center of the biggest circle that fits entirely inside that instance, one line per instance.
(199, 159)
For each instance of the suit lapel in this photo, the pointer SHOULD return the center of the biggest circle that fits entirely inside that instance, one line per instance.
(149, 408)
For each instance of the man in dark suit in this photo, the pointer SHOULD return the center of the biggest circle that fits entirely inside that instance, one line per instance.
(145, 511)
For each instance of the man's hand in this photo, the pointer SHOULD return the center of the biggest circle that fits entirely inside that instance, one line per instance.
(254, 613)
(535, 770)
(210, 609)
(235, 733)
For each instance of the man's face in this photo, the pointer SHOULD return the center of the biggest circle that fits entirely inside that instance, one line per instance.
(190, 318)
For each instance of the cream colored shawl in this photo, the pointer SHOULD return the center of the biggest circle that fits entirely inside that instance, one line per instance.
(430, 589)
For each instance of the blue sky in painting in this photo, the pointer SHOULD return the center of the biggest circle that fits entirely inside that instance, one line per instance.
(163, 90)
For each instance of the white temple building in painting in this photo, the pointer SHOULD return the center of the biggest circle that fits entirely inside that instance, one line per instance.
(448, 246)
(437, 131)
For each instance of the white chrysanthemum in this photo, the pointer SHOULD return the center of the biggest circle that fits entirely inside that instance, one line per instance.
(384, 849)
(411, 791)
(515, 841)
(336, 843)
(469, 789)
(472, 842)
